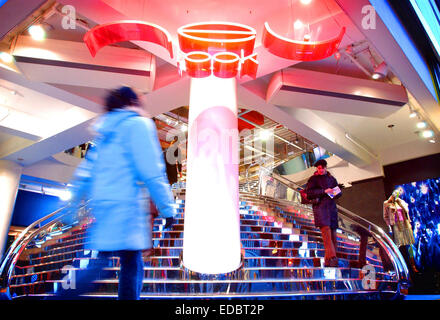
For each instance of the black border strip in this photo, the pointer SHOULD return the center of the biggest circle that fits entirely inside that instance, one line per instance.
(342, 95)
(74, 65)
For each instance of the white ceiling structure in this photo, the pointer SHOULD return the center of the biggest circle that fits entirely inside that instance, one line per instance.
(54, 91)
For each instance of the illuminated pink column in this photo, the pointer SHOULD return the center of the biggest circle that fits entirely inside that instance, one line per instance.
(212, 222)
(215, 53)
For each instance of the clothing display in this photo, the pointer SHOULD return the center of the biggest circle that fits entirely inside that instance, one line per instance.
(395, 214)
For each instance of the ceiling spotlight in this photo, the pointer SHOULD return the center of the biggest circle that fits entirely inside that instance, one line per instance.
(380, 71)
(6, 57)
(413, 114)
(427, 134)
(37, 32)
(432, 140)
(307, 37)
(306, 2)
(298, 24)
(421, 125)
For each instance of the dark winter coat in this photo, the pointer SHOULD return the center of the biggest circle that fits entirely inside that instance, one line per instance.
(324, 207)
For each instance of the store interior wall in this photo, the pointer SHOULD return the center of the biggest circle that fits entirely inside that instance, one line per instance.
(365, 198)
(411, 171)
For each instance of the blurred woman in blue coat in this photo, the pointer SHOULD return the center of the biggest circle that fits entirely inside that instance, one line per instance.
(126, 159)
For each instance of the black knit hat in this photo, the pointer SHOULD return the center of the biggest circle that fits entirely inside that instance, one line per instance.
(121, 98)
(321, 163)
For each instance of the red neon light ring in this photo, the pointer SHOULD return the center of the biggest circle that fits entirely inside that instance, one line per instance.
(203, 53)
(220, 37)
(226, 68)
(198, 68)
(235, 60)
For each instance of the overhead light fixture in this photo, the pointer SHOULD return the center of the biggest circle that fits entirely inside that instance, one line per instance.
(432, 140)
(306, 2)
(37, 32)
(427, 134)
(412, 112)
(184, 128)
(421, 125)
(6, 57)
(298, 24)
(380, 71)
(307, 37)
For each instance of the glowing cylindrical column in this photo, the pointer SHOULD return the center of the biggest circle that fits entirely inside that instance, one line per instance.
(10, 173)
(211, 241)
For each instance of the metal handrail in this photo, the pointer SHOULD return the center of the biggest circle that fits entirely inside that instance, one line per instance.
(17, 247)
(376, 232)
(384, 241)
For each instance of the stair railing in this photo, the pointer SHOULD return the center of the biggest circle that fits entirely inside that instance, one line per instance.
(33, 230)
(353, 222)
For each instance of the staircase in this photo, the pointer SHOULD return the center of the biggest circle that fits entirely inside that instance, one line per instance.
(282, 259)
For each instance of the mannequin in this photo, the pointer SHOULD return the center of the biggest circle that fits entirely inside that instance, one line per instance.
(396, 216)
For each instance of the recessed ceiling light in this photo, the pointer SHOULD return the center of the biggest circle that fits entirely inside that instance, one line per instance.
(306, 2)
(413, 114)
(428, 134)
(37, 32)
(298, 24)
(421, 125)
(6, 57)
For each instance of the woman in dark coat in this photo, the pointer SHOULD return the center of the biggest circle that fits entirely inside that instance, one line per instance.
(320, 190)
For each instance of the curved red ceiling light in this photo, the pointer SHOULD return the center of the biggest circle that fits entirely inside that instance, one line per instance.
(214, 37)
(299, 50)
(127, 30)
